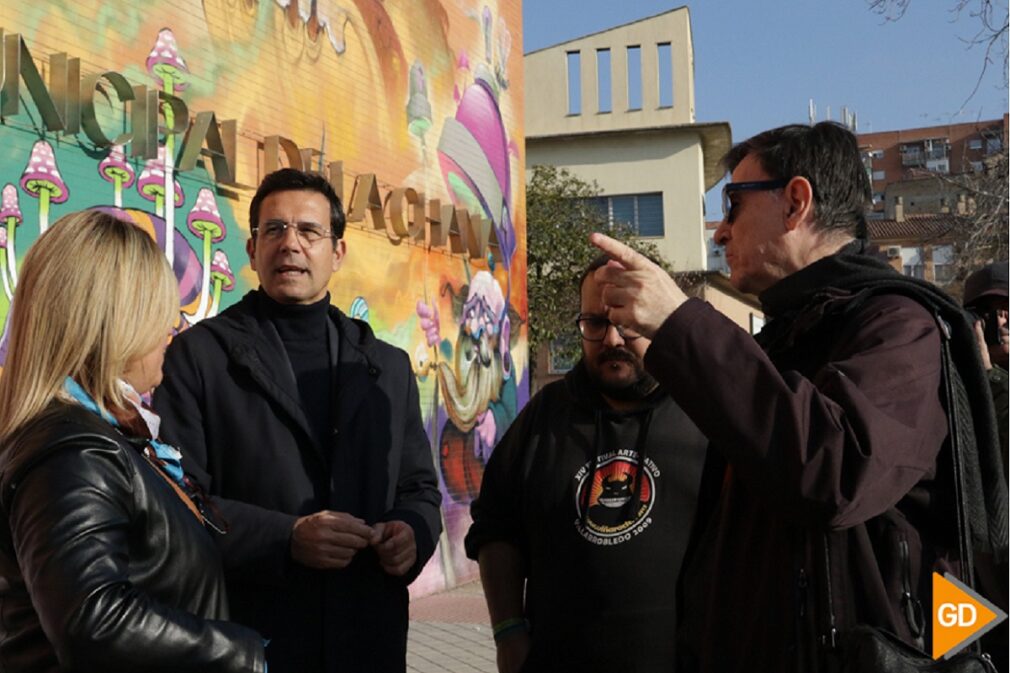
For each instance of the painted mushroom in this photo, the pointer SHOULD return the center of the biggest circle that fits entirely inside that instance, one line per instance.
(42, 180)
(418, 106)
(165, 63)
(222, 277)
(10, 216)
(151, 183)
(116, 169)
(204, 220)
(3, 264)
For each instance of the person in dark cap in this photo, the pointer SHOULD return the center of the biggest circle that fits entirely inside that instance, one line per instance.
(985, 295)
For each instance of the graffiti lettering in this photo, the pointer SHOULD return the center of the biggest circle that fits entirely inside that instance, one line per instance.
(67, 105)
(89, 118)
(220, 146)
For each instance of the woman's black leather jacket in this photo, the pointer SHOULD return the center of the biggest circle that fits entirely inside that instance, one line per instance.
(102, 565)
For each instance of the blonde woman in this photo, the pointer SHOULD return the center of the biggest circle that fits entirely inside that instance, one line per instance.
(105, 564)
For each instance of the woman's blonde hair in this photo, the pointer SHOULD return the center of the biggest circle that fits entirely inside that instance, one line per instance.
(94, 292)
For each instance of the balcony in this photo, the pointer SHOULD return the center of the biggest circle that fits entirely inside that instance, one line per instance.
(925, 152)
(913, 156)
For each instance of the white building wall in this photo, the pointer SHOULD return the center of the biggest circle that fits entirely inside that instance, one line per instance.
(668, 162)
(547, 78)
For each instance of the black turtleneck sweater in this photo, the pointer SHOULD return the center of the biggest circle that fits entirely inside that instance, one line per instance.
(302, 329)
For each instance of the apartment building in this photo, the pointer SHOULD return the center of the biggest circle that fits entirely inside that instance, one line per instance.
(912, 163)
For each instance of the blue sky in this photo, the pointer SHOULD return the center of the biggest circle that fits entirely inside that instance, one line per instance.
(757, 63)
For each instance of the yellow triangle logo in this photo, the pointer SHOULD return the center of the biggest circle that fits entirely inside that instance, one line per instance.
(960, 616)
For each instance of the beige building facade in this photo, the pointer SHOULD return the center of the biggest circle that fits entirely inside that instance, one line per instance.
(617, 108)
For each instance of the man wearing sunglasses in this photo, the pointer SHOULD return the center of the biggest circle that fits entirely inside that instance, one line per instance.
(306, 430)
(585, 509)
(826, 429)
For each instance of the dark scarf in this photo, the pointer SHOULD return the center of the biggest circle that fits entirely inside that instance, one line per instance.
(838, 284)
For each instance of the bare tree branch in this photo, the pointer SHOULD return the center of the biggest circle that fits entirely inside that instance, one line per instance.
(991, 35)
(982, 236)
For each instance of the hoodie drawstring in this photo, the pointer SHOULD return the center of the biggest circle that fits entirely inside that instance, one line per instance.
(597, 443)
(640, 444)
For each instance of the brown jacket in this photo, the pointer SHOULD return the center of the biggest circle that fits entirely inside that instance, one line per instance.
(827, 441)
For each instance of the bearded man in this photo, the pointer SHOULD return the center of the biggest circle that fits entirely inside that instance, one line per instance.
(585, 510)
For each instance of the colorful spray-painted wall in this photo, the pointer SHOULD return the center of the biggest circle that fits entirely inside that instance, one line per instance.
(425, 95)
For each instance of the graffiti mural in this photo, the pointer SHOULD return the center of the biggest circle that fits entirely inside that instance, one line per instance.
(412, 108)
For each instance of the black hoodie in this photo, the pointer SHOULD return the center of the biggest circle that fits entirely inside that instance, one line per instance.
(603, 548)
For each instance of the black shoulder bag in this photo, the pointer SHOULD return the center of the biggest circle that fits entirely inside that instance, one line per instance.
(867, 649)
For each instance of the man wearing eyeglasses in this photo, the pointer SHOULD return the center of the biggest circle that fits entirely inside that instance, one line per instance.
(584, 511)
(824, 502)
(306, 430)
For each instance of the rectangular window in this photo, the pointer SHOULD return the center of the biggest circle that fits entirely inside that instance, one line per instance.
(938, 166)
(943, 264)
(643, 212)
(975, 144)
(665, 74)
(603, 88)
(943, 273)
(562, 353)
(634, 78)
(879, 175)
(943, 254)
(993, 145)
(650, 215)
(976, 166)
(574, 82)
(622, 209)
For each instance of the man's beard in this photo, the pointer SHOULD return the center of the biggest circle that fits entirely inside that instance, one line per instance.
(637, 388)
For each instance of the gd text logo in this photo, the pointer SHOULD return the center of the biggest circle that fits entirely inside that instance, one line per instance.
(960, 616)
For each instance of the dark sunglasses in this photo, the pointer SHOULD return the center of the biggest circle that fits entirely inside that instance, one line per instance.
(731, 188)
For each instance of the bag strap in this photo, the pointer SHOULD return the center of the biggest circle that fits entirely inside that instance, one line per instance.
(955, 424)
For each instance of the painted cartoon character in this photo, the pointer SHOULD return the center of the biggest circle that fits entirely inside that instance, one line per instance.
(476, 379)
(474, 384)
(611, 507)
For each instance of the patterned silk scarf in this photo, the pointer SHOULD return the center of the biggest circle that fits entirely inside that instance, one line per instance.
(165, 459)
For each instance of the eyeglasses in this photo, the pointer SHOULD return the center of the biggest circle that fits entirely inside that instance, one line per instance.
(731, 188)
(594, 328)
(308, 233)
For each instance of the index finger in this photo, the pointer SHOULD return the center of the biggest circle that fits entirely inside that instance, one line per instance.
(628, 258)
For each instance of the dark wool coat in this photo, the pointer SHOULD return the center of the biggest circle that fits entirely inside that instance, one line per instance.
(229, 400)
(824, 444)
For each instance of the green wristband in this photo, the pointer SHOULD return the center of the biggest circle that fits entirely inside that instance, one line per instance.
(508, 626)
